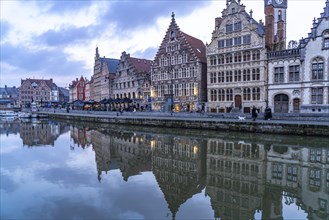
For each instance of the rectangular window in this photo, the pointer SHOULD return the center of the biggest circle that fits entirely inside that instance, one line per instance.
(315, 155)
(221, 44)
(292, 173)
(326, 43)
(229, 28)
(237, 41)
(315, 179)
(317, 71)
(278, 74)
(213, 95)
(229, 95)
(277, 171)
(294, 73)
(229, 42)
(238, 26)
(213, 77)
(317, 95)
(221, 77)
(246, 39)
(221, 95)
(229, 76)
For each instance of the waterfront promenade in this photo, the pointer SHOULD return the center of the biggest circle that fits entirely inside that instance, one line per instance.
(280, 124)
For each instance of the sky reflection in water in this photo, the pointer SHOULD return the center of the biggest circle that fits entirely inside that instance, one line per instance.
(62, 171)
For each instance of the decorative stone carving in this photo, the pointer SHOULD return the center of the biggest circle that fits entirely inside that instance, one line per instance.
(296, 92)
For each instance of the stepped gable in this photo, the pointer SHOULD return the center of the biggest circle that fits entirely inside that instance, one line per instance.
(324, 15)
(195, 46)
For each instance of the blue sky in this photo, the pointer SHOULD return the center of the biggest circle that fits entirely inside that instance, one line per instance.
(57, 39)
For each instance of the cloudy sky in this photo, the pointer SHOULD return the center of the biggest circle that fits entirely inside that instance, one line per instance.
(57, 39)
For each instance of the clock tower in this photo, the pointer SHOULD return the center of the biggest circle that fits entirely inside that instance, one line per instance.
(275, 24)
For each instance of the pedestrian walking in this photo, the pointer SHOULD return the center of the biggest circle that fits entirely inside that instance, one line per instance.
(254, 113)
(268, 113)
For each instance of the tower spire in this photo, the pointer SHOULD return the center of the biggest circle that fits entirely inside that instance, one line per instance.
(96, 54)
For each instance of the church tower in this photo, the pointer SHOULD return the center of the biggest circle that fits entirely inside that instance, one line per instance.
(275, 24)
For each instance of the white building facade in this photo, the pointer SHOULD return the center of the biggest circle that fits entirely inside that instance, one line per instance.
(298, 77)
(236, 62)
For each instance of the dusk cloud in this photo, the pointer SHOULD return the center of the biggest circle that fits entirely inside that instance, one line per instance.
(57, 39)
(138, 14)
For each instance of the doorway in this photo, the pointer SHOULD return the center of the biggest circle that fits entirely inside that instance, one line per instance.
(237, 101)
(281, 103)
(296, 105)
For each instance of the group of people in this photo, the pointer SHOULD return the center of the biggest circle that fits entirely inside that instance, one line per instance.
(267, 113)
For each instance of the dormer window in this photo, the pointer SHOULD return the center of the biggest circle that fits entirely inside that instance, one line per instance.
(233, 10)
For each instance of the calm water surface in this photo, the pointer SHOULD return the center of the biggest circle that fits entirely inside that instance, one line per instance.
(58, 170)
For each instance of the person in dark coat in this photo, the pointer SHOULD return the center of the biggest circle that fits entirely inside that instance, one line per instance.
(254, 113)
(268, 113)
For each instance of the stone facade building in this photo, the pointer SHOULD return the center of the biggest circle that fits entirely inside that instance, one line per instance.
(236, 62)
(132, 79)
(40, 91)
(104, 72)
(179, 72)
(299, 76)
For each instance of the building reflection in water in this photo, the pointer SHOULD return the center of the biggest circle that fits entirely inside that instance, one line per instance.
(235, 177)
(241, 176)
(178, 163)
(40, 132)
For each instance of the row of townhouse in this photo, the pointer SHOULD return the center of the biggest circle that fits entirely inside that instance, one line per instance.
(246, 64)
(43, 92)
(249, 65)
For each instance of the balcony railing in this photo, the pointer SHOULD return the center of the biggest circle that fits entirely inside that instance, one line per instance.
(283, 54)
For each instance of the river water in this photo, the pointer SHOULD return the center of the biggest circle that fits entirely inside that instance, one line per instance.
(65, 170)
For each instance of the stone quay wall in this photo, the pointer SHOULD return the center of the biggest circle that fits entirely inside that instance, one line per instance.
(293, 127)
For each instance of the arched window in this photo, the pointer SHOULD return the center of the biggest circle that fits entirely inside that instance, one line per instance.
(229, 58)
(317, 68)
(246, 56)
(221, 59)
(213, 61)
(279, 15)
(237, 75)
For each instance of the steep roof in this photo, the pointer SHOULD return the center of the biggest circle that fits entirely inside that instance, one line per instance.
(141, 65)
(9, 91)
(64, 91)
(197, 46)
(112, 64)
(48, 82)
